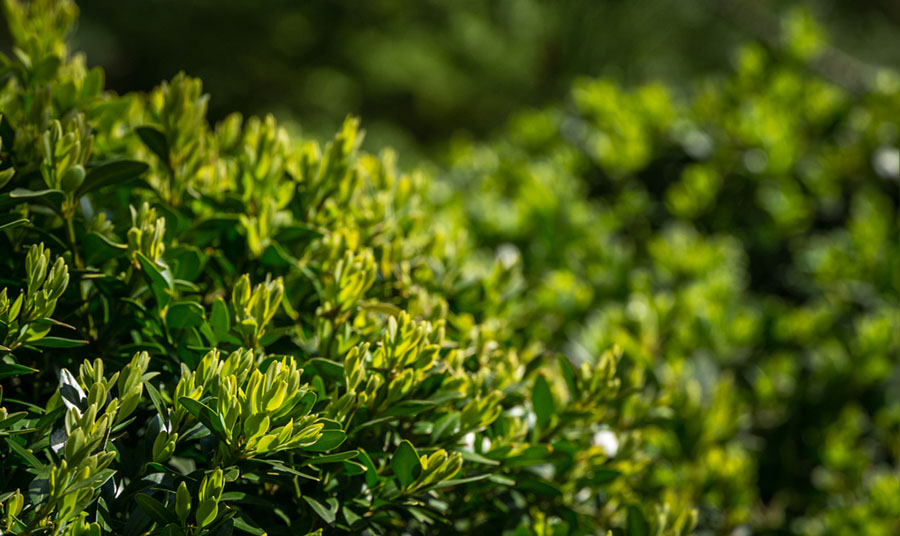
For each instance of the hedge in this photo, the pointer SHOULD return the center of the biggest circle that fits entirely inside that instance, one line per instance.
(739, 239)
(639, 312)
(219, 328)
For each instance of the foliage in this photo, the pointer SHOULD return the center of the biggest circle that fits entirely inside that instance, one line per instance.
(740, 242)
(218, 328)
(418, 71)
(641, 311)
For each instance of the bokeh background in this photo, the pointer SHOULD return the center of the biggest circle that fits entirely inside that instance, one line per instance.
(418, 71)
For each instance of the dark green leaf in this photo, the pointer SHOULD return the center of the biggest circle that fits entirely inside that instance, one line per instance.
(445, 426)
(13, 224)
(160, 284)
(325, 513)
(58, 342)
(405, 463)
(219, 318)
(333, 458)
(155, 141)
(183, 315)
(330, 439)
(243, 523)
(156, 399)
(637, 524)
(14, 369)
(206, 415)
(371, 472)
(155, 509)
(459, 481)
(602, 476)
(109, 174)
(408, 408)
(326, 367)
(21, 451)
(53, 198)
(7, 132)
(569, 374)
(470, 456)
(281, 467)
(542, 401)
(98, 248)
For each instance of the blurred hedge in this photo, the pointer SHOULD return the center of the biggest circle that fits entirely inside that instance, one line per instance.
(741, 240)
(418, 71)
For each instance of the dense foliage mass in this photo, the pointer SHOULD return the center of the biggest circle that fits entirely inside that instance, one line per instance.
(417, 71)
(638, 312)
(218, 328)
(742, 245)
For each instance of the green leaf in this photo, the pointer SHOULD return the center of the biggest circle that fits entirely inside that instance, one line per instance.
(95, 481)
(7, 132)
(160, 285)
(470, 456)
(325, 513)
(408, 408)
(445, 426)
(12, 419)
(98, 248)
(207, 512)
(381, 307)
(219, 318)
(542, 401)
(6, 175)
(169, 530)
(405, 463)
(21, 451)
(206, 415)
(637, 523)
(109, 174)
(275, 255)
(569, 374)
(333, 458)
(602, 476)
(371, 472)
(155, 141)
(45, 69)
(326, 368)
(539, 486)
(306, 403)
(187, 261)
(14, 369)
(330, 439)
(54, 198)
(157, 400)
(13, 224)
(281, 467)
(58, 342)
(459, 481)
(351, 516)
(184, 315)
(502, 480)
(353, 468)
(244, 524)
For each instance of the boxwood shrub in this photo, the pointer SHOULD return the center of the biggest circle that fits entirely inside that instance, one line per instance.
(739, 239)
(642, 312)
(210, 329)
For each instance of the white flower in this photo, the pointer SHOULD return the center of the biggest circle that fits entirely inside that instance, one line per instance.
(886, 161)
(469, 442)
(607, 440)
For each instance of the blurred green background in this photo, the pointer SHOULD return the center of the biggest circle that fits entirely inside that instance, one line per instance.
(418, 71)
(731, 227)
